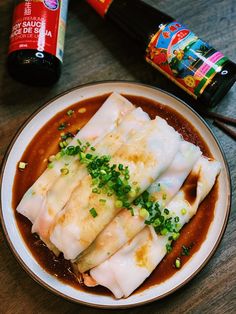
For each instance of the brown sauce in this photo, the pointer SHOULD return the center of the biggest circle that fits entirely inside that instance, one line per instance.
(45, 143)
(190, 187)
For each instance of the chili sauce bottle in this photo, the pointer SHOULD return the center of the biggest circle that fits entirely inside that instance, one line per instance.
(192, 64)
(37, 41)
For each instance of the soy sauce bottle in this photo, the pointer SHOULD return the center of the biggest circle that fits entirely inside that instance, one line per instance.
(37, 41)
(170, 47)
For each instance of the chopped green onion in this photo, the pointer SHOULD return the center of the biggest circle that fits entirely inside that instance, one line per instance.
(156, 223)
(177, 226)
(132, 193)
(118, 204)
(70, 112)
(175, 236)
(166, 211)
(132, 211)
(102, 200)
(82, 155)
(168, 248)
(89, 156)
(183, 211)
(62, 126)
(64, 171)
(178, 263)
(185, 251)
(95, 181)
(143, 213)
(50, 165)
(95, 190)
(107, 179)
(176, 219)
(66, 136)
(120, 167)
(22, 165)
(58, 156)
(93, 212)
(164, 196)
(164, 231)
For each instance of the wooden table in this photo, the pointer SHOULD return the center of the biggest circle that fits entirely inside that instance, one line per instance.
(97, 52)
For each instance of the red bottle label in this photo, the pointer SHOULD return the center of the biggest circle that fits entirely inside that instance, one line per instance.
(184, 58)
(101, 6)
(39, 25)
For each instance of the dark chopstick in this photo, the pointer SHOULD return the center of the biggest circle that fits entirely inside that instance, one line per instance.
(223, 127)
(219, 117)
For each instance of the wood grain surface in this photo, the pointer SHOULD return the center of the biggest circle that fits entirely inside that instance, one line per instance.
(95, 52)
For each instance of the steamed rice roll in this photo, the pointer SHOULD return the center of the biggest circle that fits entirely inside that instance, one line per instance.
(146, 154)
(137, 259)
(60, 192)
(103, 121)
(125, 226)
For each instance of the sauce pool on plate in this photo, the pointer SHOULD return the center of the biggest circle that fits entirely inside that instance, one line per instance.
(45, 143)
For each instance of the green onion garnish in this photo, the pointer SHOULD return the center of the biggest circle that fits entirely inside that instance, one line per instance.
(50, 165)
(178, 263)
(62, 126)
(102, 200)
(185, 251)
(164, 196)
(143, 213)
(64, 171)
(22, 165)
(176, 219)
(118, 204)
(93, 212)
(166, 211)
(168, 248)
(175, 236)
(70, 112)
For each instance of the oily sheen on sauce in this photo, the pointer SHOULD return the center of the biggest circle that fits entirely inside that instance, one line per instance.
(45, 143)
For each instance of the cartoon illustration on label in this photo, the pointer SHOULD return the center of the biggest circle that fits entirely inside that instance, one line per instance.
(51, 4)
(184, 58)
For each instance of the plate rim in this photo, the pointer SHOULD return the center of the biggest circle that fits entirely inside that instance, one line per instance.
(40, 281)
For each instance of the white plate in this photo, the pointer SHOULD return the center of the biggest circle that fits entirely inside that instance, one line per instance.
(23, 254)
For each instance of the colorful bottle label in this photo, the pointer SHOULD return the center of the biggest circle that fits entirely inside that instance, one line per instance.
(39, 25)
(187, 60)
(101, 6)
